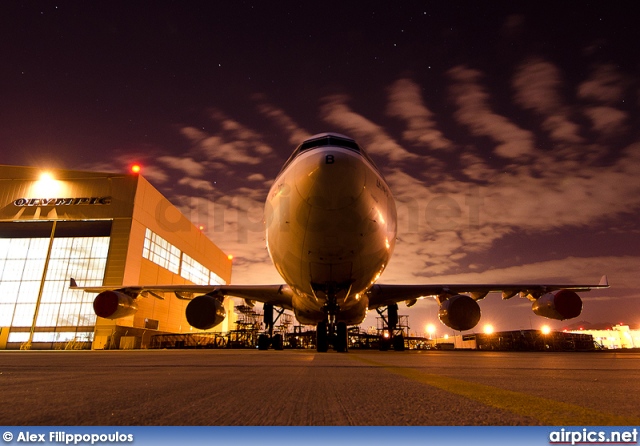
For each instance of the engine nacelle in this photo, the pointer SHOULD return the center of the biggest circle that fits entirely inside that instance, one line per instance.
(561, 305)
(114, 305)
(205, 312)
(459, 312)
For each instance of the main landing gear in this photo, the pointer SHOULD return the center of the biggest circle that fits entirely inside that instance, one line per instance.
(390, 335)
(269, 339)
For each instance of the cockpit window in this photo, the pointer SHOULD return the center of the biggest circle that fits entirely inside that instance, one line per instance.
(329, 140)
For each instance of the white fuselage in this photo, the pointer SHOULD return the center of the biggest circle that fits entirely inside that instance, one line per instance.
(331, 228)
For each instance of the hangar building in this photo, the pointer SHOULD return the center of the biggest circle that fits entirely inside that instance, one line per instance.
(101, 229)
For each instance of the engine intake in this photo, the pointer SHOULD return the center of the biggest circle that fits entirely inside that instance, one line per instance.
(114, 305)
(459, 312)
(560, 305)
(205, 312)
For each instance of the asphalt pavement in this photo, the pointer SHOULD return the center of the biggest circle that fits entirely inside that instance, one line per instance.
(302, 387)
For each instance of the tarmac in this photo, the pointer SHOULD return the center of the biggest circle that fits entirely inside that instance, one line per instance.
(306, 388)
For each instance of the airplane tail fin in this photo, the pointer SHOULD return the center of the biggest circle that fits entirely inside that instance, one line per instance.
(73, 283)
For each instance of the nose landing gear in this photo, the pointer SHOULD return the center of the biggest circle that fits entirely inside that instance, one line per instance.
(331, 332)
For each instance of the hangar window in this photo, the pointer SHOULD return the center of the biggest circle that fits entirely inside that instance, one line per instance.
(161, 252)
(215, 279)
(194, 271)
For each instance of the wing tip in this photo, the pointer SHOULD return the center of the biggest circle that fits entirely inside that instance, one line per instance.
(604, 281)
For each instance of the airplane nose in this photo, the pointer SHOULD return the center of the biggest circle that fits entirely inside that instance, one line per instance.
(330, 180)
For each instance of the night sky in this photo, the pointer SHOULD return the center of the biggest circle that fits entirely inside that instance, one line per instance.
(508, 131)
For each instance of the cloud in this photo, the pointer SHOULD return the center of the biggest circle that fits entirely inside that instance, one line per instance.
(282, 120)
(606, 120)
(186, 164)
(374, 139)
(256, 177)
(233, 144)
(196, 184)
(405, 102)
(537, 84)
(475, 113)
(605, 85)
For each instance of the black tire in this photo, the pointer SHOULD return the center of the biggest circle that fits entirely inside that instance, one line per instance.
(277, 342)
(263, 342)
(342, 338)
(398, 343)
(322, 338)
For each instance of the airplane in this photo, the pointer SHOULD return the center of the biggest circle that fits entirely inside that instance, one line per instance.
(331, 227)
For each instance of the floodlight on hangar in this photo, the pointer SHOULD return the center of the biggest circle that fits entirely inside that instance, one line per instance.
(47, 185)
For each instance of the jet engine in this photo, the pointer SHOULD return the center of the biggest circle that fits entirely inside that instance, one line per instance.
(561, 305)
(205, 312)
(459, 312)
(114, 305)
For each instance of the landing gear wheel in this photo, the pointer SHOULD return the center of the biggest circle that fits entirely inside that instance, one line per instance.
(398, 343)
(322, 338)
(384, 344)
(263, 342)
(277, 342)
(342, 340)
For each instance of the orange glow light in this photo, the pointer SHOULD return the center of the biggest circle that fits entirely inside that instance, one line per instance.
(230, 257)
(136, 168)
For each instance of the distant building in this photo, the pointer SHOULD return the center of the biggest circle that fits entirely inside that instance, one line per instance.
(101, 229)
(517, 340)
(619, 336)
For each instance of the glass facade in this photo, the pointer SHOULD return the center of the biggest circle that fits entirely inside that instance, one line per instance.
(37, 269)
(163, 253)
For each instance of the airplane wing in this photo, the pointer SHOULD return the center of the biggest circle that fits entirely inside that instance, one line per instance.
(382, 295)
(278, 295)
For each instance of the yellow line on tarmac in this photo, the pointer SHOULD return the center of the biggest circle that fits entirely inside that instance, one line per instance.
(546, 411)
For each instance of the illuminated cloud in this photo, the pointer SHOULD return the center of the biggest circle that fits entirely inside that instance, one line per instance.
(185, 164)
(537, 84)
(474, 112)
(372, 136)
(256, 177)
(605, 85)
(282, 120)
(405, 103)
(197, 184)
(607, 120)
(235, 143)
